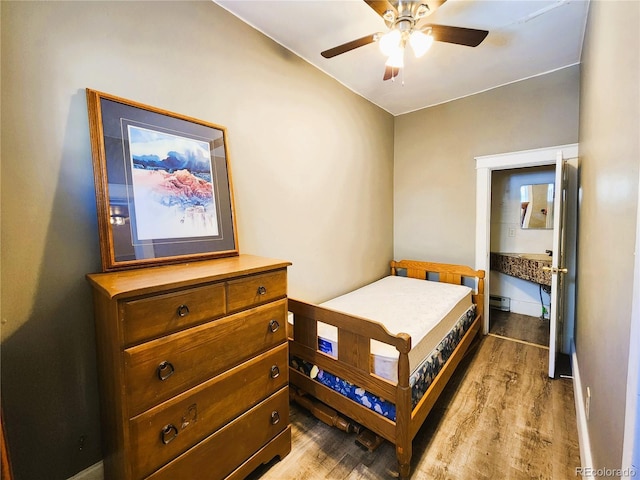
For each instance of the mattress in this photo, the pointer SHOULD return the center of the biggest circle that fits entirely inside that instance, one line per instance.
(425, 310)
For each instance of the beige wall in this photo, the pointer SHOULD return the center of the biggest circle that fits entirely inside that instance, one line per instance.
(609, 162)
(434, 173)
(312, 165)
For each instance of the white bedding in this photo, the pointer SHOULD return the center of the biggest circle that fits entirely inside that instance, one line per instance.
(424, 309)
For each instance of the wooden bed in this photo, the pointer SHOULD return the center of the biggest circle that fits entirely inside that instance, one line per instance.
(353, 359)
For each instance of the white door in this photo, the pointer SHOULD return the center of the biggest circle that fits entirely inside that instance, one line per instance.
(558, 264)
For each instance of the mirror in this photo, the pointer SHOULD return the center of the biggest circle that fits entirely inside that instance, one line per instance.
(536, 206)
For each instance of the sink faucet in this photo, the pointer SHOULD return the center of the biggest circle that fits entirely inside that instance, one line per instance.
(550, 252)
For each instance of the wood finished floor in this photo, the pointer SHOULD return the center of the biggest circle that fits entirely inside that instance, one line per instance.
(500, 417)
(520, 327)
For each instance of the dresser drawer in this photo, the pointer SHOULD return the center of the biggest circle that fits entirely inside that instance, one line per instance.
(218, 455)
(159, 369)
(162, 433)
(256, 289)
(158, 315)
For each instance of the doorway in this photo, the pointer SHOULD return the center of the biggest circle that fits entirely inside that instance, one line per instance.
(485, 166)
(521, 243)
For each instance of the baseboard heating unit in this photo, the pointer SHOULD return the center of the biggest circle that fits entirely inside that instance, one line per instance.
(501, 303)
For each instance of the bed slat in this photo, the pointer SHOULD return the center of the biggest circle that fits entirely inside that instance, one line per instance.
(416, 273)
(305, 331)
(453, 278)
(354, 349)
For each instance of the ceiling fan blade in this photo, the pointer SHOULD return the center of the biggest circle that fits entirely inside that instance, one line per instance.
(390, 72)
(381, 6)
(345, 47)
(459, 35)
(434, 4)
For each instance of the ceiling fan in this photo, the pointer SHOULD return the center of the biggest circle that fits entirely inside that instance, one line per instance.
(403, 18)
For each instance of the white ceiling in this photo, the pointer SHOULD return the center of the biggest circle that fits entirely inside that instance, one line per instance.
(526, 38)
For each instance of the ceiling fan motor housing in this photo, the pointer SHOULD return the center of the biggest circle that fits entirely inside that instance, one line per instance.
(405, 15)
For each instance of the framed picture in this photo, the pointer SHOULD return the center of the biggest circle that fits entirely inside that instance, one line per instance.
(163, 185)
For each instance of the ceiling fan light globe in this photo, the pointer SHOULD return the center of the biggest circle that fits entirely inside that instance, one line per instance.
(389, 16)
(389, 42)
(420, 43)
(422, 10)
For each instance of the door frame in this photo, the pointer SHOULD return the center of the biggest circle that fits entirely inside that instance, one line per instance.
(504, 161)
(631, 440)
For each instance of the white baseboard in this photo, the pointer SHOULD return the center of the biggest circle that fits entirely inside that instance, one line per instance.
(586, 460)
(94, 472)
(527, 308)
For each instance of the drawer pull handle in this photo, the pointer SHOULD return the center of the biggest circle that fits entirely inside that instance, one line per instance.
(275, 417)
(262, 290)
(274, 326)
(275, 371)
(168, 433)
(183, 311)
(165, 370)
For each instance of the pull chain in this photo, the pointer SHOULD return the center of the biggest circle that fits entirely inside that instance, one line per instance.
(393, 79)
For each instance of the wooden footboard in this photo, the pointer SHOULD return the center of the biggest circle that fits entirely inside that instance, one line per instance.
(353, 359)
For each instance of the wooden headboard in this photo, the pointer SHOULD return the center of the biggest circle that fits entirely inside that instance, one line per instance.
(447, 273)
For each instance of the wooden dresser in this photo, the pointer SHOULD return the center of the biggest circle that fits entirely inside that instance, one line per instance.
(193, 368)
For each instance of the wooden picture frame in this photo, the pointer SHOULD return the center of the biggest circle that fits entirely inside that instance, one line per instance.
(163, 185)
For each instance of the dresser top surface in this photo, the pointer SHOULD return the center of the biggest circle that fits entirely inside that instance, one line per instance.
(153, 279)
